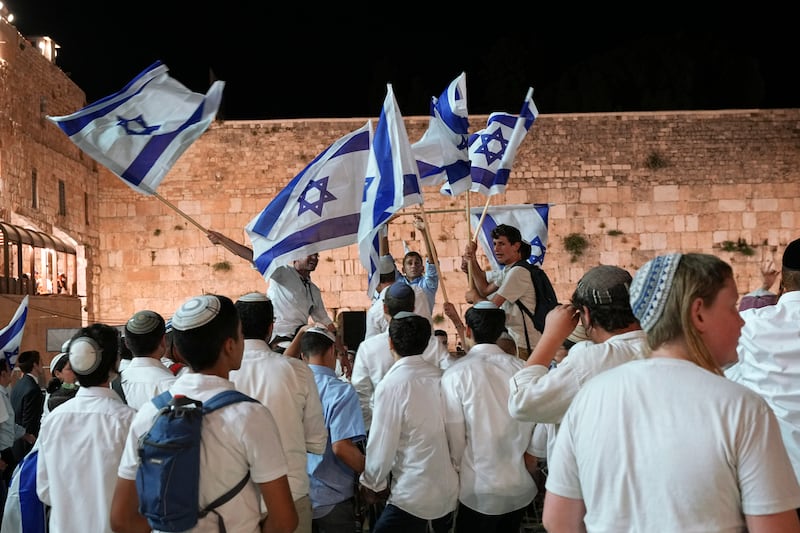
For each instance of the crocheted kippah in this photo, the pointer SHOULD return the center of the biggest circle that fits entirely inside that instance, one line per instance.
(485, 304)
(144, 322)
(400, 290)
(317, 330)
(252, 297)
(195, 312)
(85, 355)
(54, 361)
(386, 264)
(604, 285)
(650, 288)
(404, 314)
(791, 256)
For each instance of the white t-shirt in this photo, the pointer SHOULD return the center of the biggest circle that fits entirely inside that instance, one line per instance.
(143, 379)
(240, 437)
(664, 445)
(515, 284)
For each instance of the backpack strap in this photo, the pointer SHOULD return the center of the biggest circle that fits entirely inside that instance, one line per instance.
(162, 399)
(219, 401)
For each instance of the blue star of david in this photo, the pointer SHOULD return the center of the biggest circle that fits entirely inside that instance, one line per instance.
(143, 128)
(464, 143)
(324, 196)
(536, 244)
(486, 138)
(367, 182)
(11, 355)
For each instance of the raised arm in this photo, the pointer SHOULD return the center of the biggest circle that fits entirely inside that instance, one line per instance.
(229, 244)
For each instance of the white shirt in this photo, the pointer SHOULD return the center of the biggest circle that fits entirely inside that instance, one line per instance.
(240, 437)
(9, 429)
(664, 445)
(294, 301)
(287, 387)
(373, 360)
(515, 284)
(539, 395)
(144, 378)
(408, 439)
(769, 364)
(486, 443)
(80, 445)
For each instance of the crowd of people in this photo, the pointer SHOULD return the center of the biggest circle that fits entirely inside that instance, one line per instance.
(657, 401)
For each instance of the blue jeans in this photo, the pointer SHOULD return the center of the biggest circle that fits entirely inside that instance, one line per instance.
(395, 520)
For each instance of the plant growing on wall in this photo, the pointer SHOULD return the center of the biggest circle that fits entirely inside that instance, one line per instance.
(740, 246)
(575, 244)
(222, 266)
(655, 161)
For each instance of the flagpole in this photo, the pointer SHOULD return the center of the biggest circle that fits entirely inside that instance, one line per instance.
(469, 263)
(432, 251)
(483, 217)
(181, 213)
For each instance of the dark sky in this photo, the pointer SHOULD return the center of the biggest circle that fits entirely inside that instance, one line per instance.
(297, 59)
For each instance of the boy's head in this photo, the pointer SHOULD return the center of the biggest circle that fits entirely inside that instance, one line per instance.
(605, 291)
(409, 334)
(94, 353)
(508, 245)
(315, 343)
(399, 297)
(27, 360)
(206, 327)
(144, 333)
(413, 266)
(257, 315)
(486, 321)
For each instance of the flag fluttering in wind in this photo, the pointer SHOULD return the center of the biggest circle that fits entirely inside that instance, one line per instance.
(11, 335)
(442, 153)
(529, 219)
(492, 150)
(392, 182)
(318, 210)
(140, 132)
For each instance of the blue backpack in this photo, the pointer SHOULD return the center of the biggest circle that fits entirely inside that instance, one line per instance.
(168, 478)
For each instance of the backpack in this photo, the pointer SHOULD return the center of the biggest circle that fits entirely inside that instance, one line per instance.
(546, 298)
(168, 477)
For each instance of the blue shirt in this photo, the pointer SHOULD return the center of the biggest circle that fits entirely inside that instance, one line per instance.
(332, 481)
(428, 282)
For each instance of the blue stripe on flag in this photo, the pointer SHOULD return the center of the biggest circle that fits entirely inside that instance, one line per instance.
(13, 329)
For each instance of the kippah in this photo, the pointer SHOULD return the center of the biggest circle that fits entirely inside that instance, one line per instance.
(604, 285)
(791, 255)
(650, 288)
(144, 322)
(168, 326)
(84, 355)
(401, 290)
(195, 312)
(322, 331)
(54, 361)
(252, 297)
(386, 264)
(485, 304)
(405, 314)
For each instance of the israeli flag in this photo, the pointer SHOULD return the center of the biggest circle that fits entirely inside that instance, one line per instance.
(493, 149)
(140, 132)
(11, 335)
(318, 210)
(529, 219)
(441, 153)
(392, 183)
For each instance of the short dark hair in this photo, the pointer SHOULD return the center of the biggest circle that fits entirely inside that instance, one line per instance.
(200, 347)
(256, 318)
(312, 344)
(486, 324)
(509, 232)
(410, 335)
(27, 360)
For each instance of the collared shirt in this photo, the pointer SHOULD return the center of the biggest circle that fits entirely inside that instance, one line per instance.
(373, 360)
(287, 388)
(332, 481)
(243, 436)
(769, 364)
(145, 378)
(486, 443)
(9, 430)
(428, 282)
(93, 426)
(408, 440)
(294, 300)
(377, 322)
(539, 395)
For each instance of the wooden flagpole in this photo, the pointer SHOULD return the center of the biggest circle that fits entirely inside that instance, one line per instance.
(181, 213)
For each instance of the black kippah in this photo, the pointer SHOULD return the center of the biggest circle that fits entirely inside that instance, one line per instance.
(791, 256)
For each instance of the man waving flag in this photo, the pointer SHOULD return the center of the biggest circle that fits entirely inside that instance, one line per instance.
(530, 219)
(318, 210)
(11, 335)
(492, 150)
(140, 132)
(392, 183)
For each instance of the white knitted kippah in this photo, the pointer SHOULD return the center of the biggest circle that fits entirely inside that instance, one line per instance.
(650, 288)
(252, 297)
(195, 312)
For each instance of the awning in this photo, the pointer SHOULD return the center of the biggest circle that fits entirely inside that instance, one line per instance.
(12, 233)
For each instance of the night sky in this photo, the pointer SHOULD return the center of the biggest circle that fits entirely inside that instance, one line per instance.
(300, 60)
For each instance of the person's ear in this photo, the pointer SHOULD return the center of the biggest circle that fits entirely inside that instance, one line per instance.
(697, 314)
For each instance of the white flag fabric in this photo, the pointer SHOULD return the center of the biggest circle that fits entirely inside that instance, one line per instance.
(392, 183)
(318, 210)
(529, 219)
(493, 149)
(441, 153)
(11, 335)
(140, 132)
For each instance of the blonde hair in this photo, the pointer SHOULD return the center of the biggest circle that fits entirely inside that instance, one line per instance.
(697, 276)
